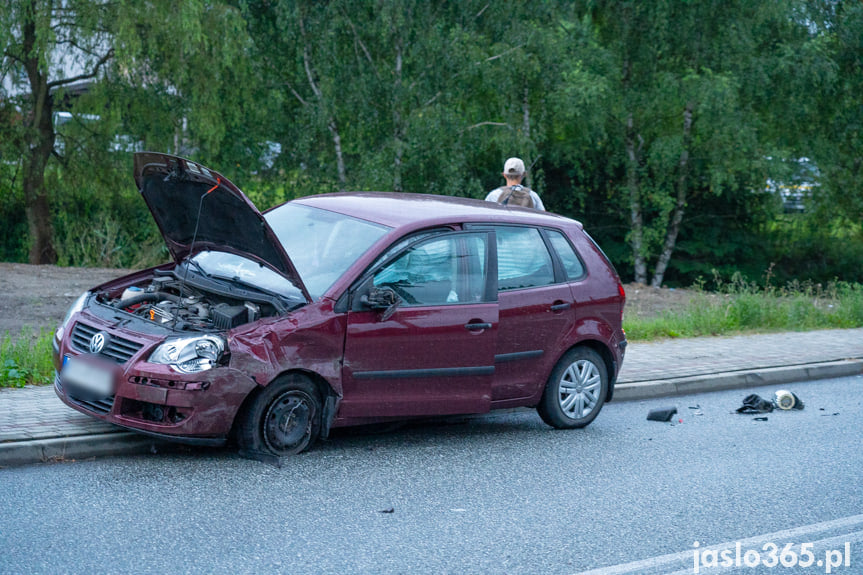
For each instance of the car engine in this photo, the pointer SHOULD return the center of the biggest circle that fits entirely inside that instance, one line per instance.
(168, 301)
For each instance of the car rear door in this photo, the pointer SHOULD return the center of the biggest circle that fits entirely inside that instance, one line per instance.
(536, 312)
(433, 352)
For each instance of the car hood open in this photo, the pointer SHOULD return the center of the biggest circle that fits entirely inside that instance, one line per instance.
(193, 203)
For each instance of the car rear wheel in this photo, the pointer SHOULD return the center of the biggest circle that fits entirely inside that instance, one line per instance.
(284, 419)
(575, 391)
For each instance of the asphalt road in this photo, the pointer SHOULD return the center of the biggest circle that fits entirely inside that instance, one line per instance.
(498, 494)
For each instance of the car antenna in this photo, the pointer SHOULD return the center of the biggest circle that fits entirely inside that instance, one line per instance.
(192, 246)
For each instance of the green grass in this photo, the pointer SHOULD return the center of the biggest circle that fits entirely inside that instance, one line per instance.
(741, 307)
(26, 358)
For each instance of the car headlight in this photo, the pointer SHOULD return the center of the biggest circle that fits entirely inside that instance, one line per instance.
(189, 354)
(73, 309)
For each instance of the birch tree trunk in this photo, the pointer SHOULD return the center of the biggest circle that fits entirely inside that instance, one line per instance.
(332, 126)
(340, 160)
(636, 218)
(398, 128)
(680, 206)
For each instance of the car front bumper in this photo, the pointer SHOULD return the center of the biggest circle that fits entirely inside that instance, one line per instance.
(153, 399)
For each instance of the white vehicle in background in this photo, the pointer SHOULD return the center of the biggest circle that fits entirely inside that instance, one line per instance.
(797, 184)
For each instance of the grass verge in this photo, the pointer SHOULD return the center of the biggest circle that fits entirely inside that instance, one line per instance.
(26, 358)
(740, 307)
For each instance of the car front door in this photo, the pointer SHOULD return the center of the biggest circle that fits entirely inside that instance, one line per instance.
(429, 348)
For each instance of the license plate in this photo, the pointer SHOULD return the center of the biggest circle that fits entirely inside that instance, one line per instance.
(84, 376)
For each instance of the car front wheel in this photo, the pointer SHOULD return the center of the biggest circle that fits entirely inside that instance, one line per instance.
(284, 419)
(575, 391)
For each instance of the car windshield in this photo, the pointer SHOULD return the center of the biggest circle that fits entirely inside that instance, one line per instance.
(233, 267)
(321, 244)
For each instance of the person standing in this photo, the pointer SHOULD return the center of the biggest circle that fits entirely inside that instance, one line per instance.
(513, 193)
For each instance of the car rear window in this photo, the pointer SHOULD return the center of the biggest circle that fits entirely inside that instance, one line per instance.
(571, 263)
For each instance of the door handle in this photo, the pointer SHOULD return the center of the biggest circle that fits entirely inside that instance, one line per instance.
(561, 306)
(477, 326)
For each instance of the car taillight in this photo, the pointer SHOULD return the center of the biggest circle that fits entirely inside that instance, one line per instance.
(622, 293)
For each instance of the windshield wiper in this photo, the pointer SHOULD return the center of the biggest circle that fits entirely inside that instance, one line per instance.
(198, 267)
(238, 280)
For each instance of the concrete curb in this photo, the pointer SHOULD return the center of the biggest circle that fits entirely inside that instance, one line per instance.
(736, 379)
(75, 447)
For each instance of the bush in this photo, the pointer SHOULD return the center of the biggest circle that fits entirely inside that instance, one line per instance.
(26, 358)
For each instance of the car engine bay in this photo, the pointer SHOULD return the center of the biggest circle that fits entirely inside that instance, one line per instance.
(172, 302)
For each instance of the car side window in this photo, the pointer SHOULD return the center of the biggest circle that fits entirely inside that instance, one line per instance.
(522, 259)
(399, 245)
(571, 263)
(448, 270)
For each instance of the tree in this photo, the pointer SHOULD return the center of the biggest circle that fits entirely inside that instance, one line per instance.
(180, 60)
(34, 31)
(824, 118)
(392, 84)
(677, 118)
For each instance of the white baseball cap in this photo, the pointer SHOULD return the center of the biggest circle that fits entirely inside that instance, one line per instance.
(513, 167)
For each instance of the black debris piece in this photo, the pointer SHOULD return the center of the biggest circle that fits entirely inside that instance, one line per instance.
(753, 403)
(661, 414)
(759, 419)
(388, 510)
(829, 414)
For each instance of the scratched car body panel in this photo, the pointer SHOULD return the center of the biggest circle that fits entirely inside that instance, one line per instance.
(337, 310)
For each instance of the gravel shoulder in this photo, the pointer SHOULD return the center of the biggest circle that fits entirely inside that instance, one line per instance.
(646, 302)
(38, 296)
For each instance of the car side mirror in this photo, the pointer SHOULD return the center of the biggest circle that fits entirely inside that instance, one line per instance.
(384, 298)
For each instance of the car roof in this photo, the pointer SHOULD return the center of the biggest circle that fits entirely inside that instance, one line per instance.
(400, 209)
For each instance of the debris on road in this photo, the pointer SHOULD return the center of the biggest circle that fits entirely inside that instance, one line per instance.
(754, 403)
(785, 400)
(662, 414)
(759, 419)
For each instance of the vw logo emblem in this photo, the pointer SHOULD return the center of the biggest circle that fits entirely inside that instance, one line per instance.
(98, 341)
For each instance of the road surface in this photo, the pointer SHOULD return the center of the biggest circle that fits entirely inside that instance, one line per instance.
(501, 493)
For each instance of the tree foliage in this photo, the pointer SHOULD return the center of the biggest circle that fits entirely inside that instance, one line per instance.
(161, 74)
(657, 123)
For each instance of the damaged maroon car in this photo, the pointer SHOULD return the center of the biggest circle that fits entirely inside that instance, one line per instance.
(340, 309)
